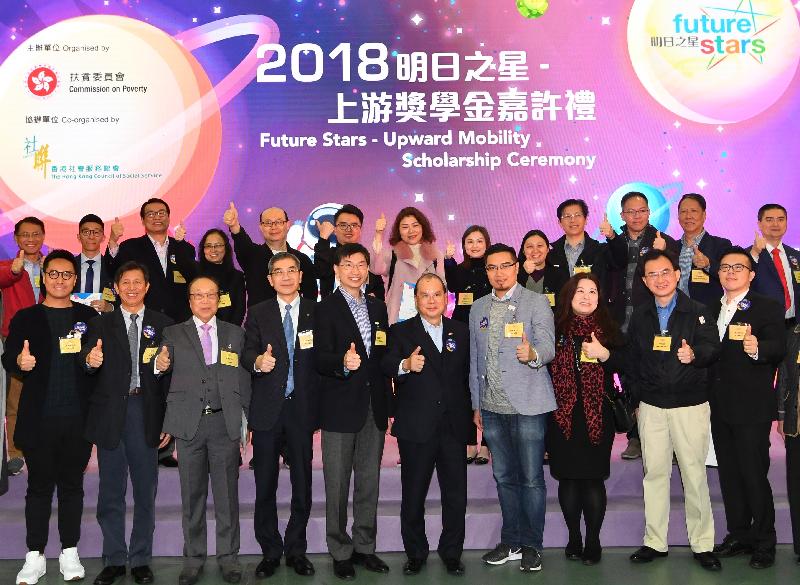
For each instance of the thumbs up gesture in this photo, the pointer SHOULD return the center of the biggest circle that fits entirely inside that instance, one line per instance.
(685, 353)
(325, 229)
(659, 243)
(699, 259)
(759, 243)
(180, 231)
(231, 218)
(117, 230)
(352, 361)
(266, 361)
(594, 349)
(94, 359)
(606, 229)
(18, 263)
(524, 352)
(380, 223)
(415, 362)
(750, 342)
(163, 362)
(450, 251)
(25, 360)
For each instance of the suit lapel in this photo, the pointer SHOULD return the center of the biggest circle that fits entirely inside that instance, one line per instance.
(194, 339)
(121, 333)
(155, 262)
(429, 349)
(276, 316)
(351, 321)
(306, 320)
(144, 342)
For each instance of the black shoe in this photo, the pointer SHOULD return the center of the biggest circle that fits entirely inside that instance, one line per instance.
(266, 568)
(481, 460)
(591, 555)
(454, 567)
(142, 574)
(573, 551)
(762, 559)
(646, 554)
(731, 547)
(109, 574)
(371, 562)
(413, 566)
(231, 574)
(15, 465)
(344, 569)
(708, 560)
(168, 462)
(301, 565)
(189, 575)
(471, 459)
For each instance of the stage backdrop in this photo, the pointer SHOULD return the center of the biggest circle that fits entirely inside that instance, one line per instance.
(476, 111)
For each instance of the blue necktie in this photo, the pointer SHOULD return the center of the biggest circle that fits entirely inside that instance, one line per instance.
(288, 332)
(88, 286)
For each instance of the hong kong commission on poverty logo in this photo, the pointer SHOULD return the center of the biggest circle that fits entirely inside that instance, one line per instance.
(715, 62)
(42, 81)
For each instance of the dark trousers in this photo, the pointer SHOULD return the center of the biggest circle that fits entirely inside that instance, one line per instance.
(743, 460)
(132, 454)
(267, 447)
(445, 453)
(57, 462)
(793, 487)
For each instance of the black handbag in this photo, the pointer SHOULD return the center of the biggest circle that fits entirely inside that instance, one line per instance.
(623, 419)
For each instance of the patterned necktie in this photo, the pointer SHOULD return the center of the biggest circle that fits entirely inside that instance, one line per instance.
(88, 286)
(288, 332)
(205, 341)
(776, 259)
(133, 344)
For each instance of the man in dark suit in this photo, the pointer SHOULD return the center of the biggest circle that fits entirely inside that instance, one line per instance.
(253, 258)
(743, 406)
(94, 269)
(777, 265)
(350, 337)
(208, 393)
(575, 251)
(428, 357)
(700, 252)
(126, 413)
(279, 351)
(346, 227)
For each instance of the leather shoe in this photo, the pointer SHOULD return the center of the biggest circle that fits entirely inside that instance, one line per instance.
(301, 565)
(109, 574)
(266, 568)
(189, 575)
(731, 547)
(168, 462)
(231, 574)
(454, 567)
(413, 566)
(142, 574)
(708, 560)
(371, 562)
(591, 555)
(573, 552)
(762, 559)
(344, 569)
(646, 554)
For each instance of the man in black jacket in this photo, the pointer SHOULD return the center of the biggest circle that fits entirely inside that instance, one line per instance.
(672, 342)
(279, 351)
(94, 269)
(575, 252)
(752, 334)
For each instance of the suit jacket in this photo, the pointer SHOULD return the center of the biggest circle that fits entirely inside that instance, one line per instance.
(345, 396)
(742, 389)
(254, 259)
(167, 294)
(106, 273)
(264, 326)
(190, 373)
(323, 265)
(593, 257)
(108, 402)
(709, 292)
(441, 389)
(529, 388)
(787, 387)
(767, 281)
(31, 324)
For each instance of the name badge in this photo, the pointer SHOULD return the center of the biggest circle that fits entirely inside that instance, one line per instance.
(380, 337)
(587, 359)
(662, 343)
(108, 295)
(178, 278)
(306, 339)
(224, 300)
(583, 269)
(37, 281)
(737, 332)
(465, 298)
(797, 276)
(148, 354)
(229, 358)
(514, 329)
(798, 357)
(700, 276)
(551, 298)
(69, 344)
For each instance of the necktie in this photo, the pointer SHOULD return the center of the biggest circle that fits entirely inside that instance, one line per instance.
(88, 286)
(776, 259)
(205, 341)
(133, 344)
(288, 332)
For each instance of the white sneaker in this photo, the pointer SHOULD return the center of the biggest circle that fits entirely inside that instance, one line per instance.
(70, 565)
(35, 567)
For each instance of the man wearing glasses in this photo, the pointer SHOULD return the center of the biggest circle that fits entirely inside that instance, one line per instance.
(743, 406)
(575, 251)
(346, 227)
(94, 274)
(254, 258)
(512, 338)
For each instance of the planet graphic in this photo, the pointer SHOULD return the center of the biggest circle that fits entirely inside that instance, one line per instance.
(659, 200)
(532, 8)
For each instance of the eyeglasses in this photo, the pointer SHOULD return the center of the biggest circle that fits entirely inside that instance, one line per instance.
(569, 216)
(153, 214)
(273, 223)
(213, 246)
(204, 296)
(734, 267)
(494, 268)
(348, 227)
(636, 212)
(351, 266)
(26, 235)
(64, 274)
(87, 233)
(663, 274)
(290, 271)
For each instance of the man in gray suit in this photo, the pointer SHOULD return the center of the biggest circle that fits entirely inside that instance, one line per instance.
(207, 394)
(511, 339)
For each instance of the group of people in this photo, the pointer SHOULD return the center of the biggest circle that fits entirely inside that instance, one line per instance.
(145, 346)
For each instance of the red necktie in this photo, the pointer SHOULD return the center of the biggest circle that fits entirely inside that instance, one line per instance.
(776, 259)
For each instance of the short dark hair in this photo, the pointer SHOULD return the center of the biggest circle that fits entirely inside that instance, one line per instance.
(654, 254)
(430, 276)
(499, 248)
(424, 222)
(346, 250)
(701, 201)
(227, 259)
(631, 195)
(282, 256)
(132, 265)
(151, 201)
(564, 204)
(59, 254)
(768, 207)
(352, 210)
(29, 219)
(739, 251)
(91, 218)
(201, 277)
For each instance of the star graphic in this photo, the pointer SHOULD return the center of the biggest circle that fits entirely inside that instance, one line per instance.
(760, 21)
(573, 179)
(702, 184)
(416, 19)
(419, 197)
(676, 173)
(605, 21)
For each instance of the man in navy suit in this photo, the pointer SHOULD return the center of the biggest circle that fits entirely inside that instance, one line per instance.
(94, 269)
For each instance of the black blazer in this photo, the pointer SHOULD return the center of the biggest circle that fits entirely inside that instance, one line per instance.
(105, 420)
(593, 257)
(767, 281)
(165, 295)
(441, 389)
(265, 326)
(106, 273)
(742, 389)
(713, 247)
(254, 258)
(344, 397)
(466, 278)
(31, 324)
(787, 387)
(323, 265)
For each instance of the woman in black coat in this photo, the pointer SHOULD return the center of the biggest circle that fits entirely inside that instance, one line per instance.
(535, 272)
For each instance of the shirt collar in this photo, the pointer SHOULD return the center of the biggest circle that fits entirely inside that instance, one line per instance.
(351, 299)
(770, 248)
(128, 314)
(578, 246)
(670, 306)
(295, 302)
(696, 239)
(156, 244)
(506, 296)
(430, 327)
(198, 322)
(735, 301)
